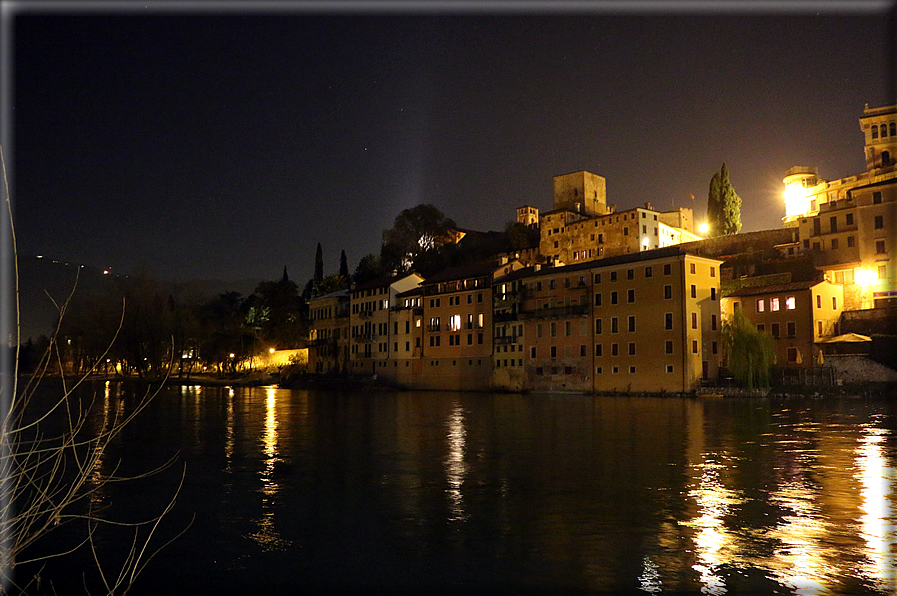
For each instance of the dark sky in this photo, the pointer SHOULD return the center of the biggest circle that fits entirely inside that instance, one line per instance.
(228, 143)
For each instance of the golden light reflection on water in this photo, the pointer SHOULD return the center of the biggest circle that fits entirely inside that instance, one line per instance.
(800, 561)
(876, 478)
(267, 535)
(714, 543)
(455, 467)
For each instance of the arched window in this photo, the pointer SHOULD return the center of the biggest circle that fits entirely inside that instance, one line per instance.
(884, 130)
(885, 158)
(874, 131)
(893, 127)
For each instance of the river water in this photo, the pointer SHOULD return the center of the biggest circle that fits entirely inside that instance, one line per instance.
(293, 491)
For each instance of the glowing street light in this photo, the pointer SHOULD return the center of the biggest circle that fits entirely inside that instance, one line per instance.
(704, 228)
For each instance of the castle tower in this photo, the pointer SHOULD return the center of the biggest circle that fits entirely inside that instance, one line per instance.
(581, 192)
(528, 216)
(879, 125)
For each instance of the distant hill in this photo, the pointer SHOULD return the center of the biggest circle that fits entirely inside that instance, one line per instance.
(41, 279)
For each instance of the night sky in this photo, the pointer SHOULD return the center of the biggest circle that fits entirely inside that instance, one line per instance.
(227, 143)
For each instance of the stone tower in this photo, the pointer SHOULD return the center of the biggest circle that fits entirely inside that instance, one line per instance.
(879, 125)
(581, 192)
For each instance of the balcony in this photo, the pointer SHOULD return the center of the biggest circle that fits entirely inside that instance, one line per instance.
(504, 340)
(577, 310)
(365, 337)
(504, 317)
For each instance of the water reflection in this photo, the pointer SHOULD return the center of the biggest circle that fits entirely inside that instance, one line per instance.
(877, 481)
(267, 535)
(455, 467)
(714, 542)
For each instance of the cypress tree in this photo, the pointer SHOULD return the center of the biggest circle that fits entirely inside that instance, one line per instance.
(723, 205)
(319, 264)
(343, 265)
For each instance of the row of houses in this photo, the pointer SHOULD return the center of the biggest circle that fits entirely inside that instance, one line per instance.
(631, 300)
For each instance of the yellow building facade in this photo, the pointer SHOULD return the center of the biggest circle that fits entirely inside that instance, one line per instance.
(797, 315)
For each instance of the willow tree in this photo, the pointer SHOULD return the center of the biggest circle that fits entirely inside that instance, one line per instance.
(750, 353)
(723, 205)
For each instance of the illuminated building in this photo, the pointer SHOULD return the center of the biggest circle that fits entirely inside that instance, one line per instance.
(369, 320)
(797, 315)
(847, 225)
(582, 227)
(457, 327)
(647, 321)
(328, 346)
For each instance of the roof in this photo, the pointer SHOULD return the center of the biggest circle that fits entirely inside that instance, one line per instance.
(337, 294)
(481, 269)
(795, 286)
(383, 281)
(845, 338)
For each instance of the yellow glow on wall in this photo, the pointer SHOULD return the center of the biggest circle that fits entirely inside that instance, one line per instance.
(796, 200)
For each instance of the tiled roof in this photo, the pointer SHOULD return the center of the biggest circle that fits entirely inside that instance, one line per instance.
(775, 288)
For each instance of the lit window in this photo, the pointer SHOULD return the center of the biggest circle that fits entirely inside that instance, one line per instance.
(455, 323)
(761, 305)
(773, 304)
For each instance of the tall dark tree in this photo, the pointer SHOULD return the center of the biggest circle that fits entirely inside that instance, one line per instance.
(319, 264)
(369, 267)
(343, 265)
(723, 205)
(415, 230)
(750, 353)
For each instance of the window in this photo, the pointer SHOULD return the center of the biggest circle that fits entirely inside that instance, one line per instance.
(834, 243)
(668, 320)
(630, 274)
(597, 326)
(669, 347)
(667, 269)
(631, 324)
(713, 293)
(597, 370)
(833, 223)
(597, 278)
(691, 268)
(761, 305)
(538, 329)
(819, 327)
(713, 272)
(632, 370)
(613, 297)
(649, 271)
(667, 292)
(874, 131)
(694, 320)
(567, 330)
(761, 327)
(632, 348)
(598, 351)
(893, 128)
(880, 247)
(615, 349)
(532, 352)
(554, 329)
(882, 271)
(694, 291)
(851, 242)
(792, 354)
(791, 328)
(879, 222)
(582, 350)
(773, 304)
(876, 197)
(614, 327)
(630, 296)
(669, 368)
(713, 322)
(818, 301)
(554, 351)
(625, 231)
(775, 330)
(849, 219)
(598, 299)
(613, 276)
(694, 346)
